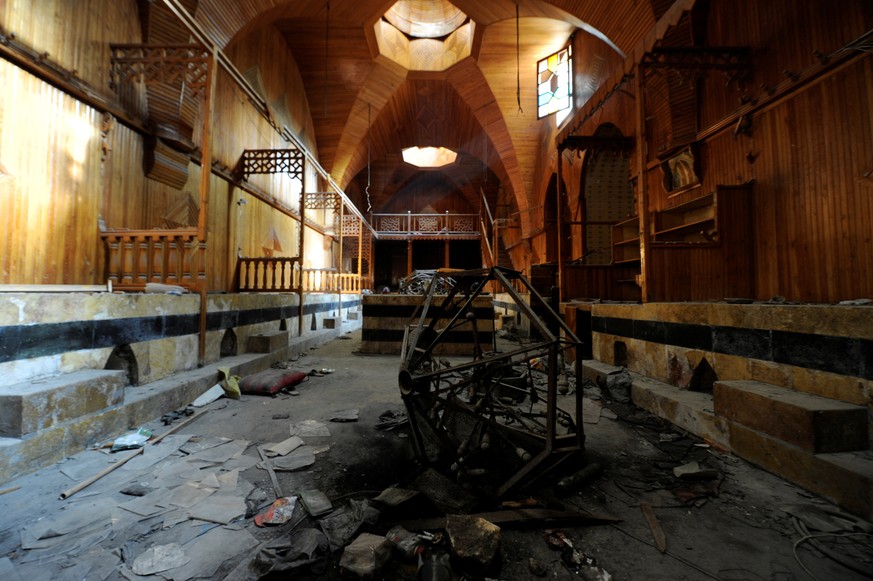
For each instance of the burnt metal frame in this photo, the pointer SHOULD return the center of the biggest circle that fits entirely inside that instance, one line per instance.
(420, 380)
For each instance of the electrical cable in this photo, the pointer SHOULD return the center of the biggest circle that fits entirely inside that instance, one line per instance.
(826, 551)
(674, 555)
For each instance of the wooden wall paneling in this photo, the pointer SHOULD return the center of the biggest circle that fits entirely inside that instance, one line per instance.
(76, 35)
(50, 144)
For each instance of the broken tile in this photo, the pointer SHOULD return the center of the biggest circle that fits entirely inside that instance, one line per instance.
(219, 508)
(188, 495)
(309, 428)
(350, 415)
(151, 504)
(221, 453)
(296, 460)
(159, 558)
(207, 552)
(283, 448)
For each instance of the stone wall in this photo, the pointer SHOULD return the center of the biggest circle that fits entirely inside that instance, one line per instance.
(46, 334)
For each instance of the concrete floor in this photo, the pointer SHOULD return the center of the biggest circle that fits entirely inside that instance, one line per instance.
(739, 532)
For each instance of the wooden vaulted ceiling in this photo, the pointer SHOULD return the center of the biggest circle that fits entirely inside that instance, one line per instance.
(366, 107)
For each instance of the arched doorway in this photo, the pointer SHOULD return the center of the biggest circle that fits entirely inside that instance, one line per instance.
(606, 196)
(550, 223)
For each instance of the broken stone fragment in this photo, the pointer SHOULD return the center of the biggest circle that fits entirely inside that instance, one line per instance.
(475, 541)
(366, 555)
(618, 385)
(693, 471)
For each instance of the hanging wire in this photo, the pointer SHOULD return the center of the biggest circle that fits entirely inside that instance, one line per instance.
(518, 62)
(326, 44)
(367, 189)
(485, 160)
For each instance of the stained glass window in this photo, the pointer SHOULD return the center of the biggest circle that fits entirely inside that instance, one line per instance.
(555, 83)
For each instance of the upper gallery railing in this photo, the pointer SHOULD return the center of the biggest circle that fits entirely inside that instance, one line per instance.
(426, 225)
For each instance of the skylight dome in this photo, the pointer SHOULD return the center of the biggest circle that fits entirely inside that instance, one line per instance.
(429, 157)
(425, 18)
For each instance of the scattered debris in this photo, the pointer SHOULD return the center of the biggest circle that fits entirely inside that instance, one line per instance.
(407, 544)
(618, 385)
(436, 566)
(392, 419)
(283, 448)
(350, 415)
(209, 396)
(132, 440)
(655, 525)
(309, 428)
(278, 513)
(158, 559)
(315, 502)
(475, 542)
(366, 555)
(419, 281)
(302, 457)
(575, 481)
(281, 416)
(345, 522)
(693, 471)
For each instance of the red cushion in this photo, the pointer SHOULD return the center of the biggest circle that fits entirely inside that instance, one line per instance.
(270, 381)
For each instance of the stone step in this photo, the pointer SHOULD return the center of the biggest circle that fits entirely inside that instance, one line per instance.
(28, 407)
(844, 478)
(137, 406)
(690, 410)
(810, 422)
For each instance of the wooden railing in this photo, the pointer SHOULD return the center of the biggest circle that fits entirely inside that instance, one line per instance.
(285, 275)
(426, 225)
(322, 280)
(269, 274)
(137, 257)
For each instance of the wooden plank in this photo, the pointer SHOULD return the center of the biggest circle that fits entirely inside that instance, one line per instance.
(655, 525)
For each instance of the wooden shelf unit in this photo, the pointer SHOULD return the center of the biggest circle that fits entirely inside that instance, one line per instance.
(626, 241)
(694, 222)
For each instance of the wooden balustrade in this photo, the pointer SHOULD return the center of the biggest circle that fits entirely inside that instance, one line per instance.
(427, 225)
(137, 257)
(269, 274)
(285, 275)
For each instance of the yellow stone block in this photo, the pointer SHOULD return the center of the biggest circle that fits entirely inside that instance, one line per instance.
(770, 372)
(682, 362)
(840, 387)
(730, 367)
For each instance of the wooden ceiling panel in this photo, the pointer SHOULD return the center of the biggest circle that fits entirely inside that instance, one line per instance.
(471, 107)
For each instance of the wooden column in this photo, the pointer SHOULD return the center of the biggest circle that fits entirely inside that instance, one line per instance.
(642, 185)
(360, 254)
(560, 228)
(340, 265)
(446, 254)
(205, 177)
(300, 245)
(409, 256)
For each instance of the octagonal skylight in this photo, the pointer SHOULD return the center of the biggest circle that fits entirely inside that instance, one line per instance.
(429, 157)
(425, 35)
